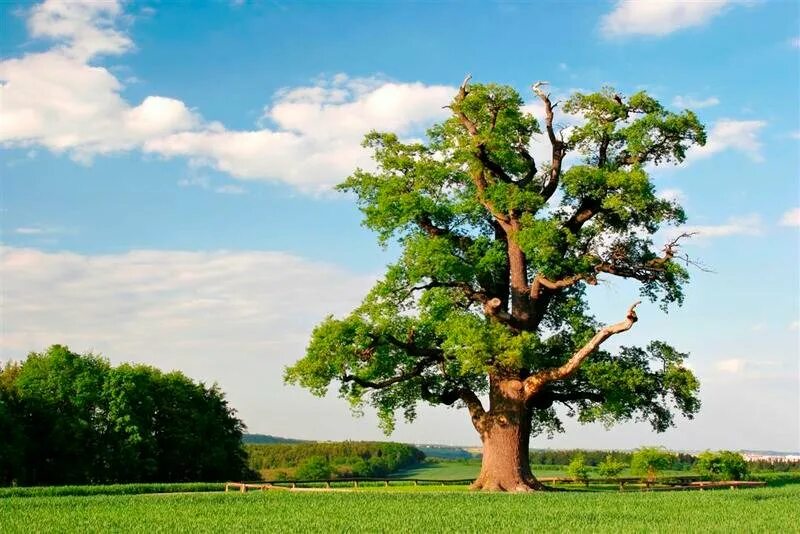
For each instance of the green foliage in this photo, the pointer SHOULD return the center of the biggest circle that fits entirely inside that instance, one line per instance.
(314, 468)
(722, 465)
(75, 419)
(650, 460)
(610, 467)
(457, 204)
(344, 459)
(267, 439)
(578, 470)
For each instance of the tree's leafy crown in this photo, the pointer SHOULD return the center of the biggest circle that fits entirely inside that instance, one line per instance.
(497, 252)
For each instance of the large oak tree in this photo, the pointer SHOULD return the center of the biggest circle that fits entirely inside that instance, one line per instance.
(486, 307)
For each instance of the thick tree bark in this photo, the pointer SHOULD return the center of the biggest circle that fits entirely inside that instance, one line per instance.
(505, 432)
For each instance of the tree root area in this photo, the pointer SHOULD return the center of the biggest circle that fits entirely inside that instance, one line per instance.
(509, 486)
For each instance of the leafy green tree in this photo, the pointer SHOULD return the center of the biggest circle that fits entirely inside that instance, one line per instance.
(314, 468)
(12, 427)
(578, 470)
(488, 297)
(720, 465)
(68, 418)
(62, 391)
(610, 467)
(650, 460)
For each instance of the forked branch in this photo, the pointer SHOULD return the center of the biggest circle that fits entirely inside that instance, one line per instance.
(557, 145)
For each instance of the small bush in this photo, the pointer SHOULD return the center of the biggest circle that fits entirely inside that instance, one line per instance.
(722, 465)
(578, 470)
(610, 467)
(649, 460)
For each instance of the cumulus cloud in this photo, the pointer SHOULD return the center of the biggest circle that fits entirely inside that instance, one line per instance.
(688, 102)
(748, 225)
(312, 135)
(728, 134)
(662, 17)
(791, 217)
(84, 28)
(59, 100)
(232, 317)
(308, 137)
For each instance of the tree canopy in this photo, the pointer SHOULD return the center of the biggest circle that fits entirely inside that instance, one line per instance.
(488, 296)
(75, 419)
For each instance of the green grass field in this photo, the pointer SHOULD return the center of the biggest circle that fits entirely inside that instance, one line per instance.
(772, 509)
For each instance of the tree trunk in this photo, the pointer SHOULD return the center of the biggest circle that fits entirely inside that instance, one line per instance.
(505, 432)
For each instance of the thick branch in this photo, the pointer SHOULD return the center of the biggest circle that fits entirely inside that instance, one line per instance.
(426, 224)
(383, 384)
(558, 146)
(474, 295)
(535, 382)
(545, 399)
(540, 283)
(588, 208)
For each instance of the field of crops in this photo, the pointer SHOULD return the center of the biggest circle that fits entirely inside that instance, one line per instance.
(771, 509)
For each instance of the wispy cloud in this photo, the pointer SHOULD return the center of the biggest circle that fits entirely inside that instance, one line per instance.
(661, 17)
(791, 217)
(729, 134)
(37, 230)
(748, 225)
(732, 365)
(688, 102)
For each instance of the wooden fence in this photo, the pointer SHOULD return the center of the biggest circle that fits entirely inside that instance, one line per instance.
(683, 482)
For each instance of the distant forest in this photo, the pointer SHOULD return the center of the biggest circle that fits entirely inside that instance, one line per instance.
(67, 418)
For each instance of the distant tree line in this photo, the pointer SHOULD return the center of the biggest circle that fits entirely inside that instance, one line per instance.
(67, 418)
(328, 460)
(679, 461)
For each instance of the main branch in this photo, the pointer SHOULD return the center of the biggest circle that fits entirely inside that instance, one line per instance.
(534, 383)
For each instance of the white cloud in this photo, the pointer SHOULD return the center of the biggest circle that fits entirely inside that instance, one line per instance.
(59, 100)
(230, 189)
(727, 134)
(309, 137)
(661, 17)
(37, 230)
(673, 195)
(233, 317)
(748, 225)
(794, 325)
(84, 28)
(791, 217)
(688, 102)
(732, 366)
(29, 230)
(315, 140)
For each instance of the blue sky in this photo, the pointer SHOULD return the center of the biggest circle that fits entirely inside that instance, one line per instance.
(167, 169)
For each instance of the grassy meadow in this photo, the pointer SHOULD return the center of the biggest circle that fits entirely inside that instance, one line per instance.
(770, 509)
